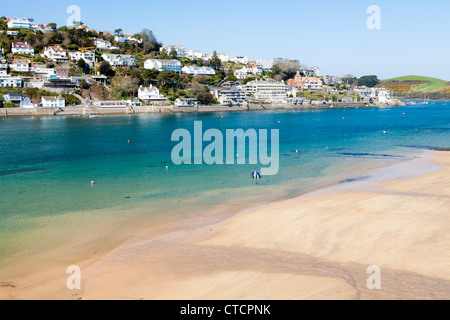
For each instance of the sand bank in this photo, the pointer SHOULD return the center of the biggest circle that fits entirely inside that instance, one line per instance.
(317, 246)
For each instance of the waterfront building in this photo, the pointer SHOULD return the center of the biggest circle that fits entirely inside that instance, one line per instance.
(150, 94)
(184, 102)
(53, 102)
(267, 91)
(231, 96)
(307, 83)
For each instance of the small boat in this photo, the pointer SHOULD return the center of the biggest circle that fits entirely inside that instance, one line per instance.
(93, 116)
(256, 175)
(385, 132)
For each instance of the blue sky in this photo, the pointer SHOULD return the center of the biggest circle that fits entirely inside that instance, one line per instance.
(331, 34)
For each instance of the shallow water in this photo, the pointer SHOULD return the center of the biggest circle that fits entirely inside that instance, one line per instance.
(47, 163)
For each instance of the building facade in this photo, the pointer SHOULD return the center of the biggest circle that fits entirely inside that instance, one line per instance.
(53, 102)
(267, 91)
(56, 54)
(150, 94)
(206, 71)
(22, 48)
(163, 65)
(120, 60)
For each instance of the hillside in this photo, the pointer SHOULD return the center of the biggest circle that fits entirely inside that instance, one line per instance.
(414, 78)
(417, 87)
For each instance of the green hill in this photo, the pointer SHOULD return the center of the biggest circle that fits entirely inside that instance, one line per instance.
(414, 78)
(417, 86)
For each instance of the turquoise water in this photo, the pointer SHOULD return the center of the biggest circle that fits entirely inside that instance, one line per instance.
(47, 163)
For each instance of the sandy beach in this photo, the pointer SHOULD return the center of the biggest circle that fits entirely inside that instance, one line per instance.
(317, 246)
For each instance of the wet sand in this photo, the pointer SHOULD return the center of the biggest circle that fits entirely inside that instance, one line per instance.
(317, 246)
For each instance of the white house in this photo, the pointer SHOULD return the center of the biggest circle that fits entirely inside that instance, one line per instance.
(180, 50)
(22, 65)
(249, 71)
(3, 70)
(223, 57)
(104, 45)
(120, 60)
(56, 53)
(239, 59)
(384, 96)
(150, 94)
(22, 48)
(87, 56)
(194, 54)
(206, 71)
(21, 23)
(11, 82)
(12, 33)
(53, 102)
(269, 91)
(126, 38)
(184, 102)
(163, 65)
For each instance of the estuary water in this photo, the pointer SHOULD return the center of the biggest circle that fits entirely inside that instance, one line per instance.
(47, 165)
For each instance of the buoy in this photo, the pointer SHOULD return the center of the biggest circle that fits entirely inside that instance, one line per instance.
(92, 183)
(256, 175)
(167, 167)
(129, 141)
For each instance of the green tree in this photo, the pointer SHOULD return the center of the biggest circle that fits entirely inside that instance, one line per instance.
(84, 84)
(105, 69)
(215, 62)
(52, 25)
(81, 63)
(368, 81)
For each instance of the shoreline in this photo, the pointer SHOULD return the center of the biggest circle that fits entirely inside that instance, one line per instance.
(206, 251)
(80, 110)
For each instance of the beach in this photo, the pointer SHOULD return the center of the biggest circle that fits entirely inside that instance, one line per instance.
(316, 246)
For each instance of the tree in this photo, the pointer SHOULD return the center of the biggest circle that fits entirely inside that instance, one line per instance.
(52, 25)
(203, 94)
(149, 41)
(215, 62)
(285, 68)
(118, 32)
(84, 84)
(81, 63)
(173, 54)
(105, 69)
(368, 81)
(231, 76)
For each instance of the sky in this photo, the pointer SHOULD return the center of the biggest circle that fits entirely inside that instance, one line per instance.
(331, 34)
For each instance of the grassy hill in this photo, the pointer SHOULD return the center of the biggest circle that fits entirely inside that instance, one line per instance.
(415, 78)
(417, 87)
